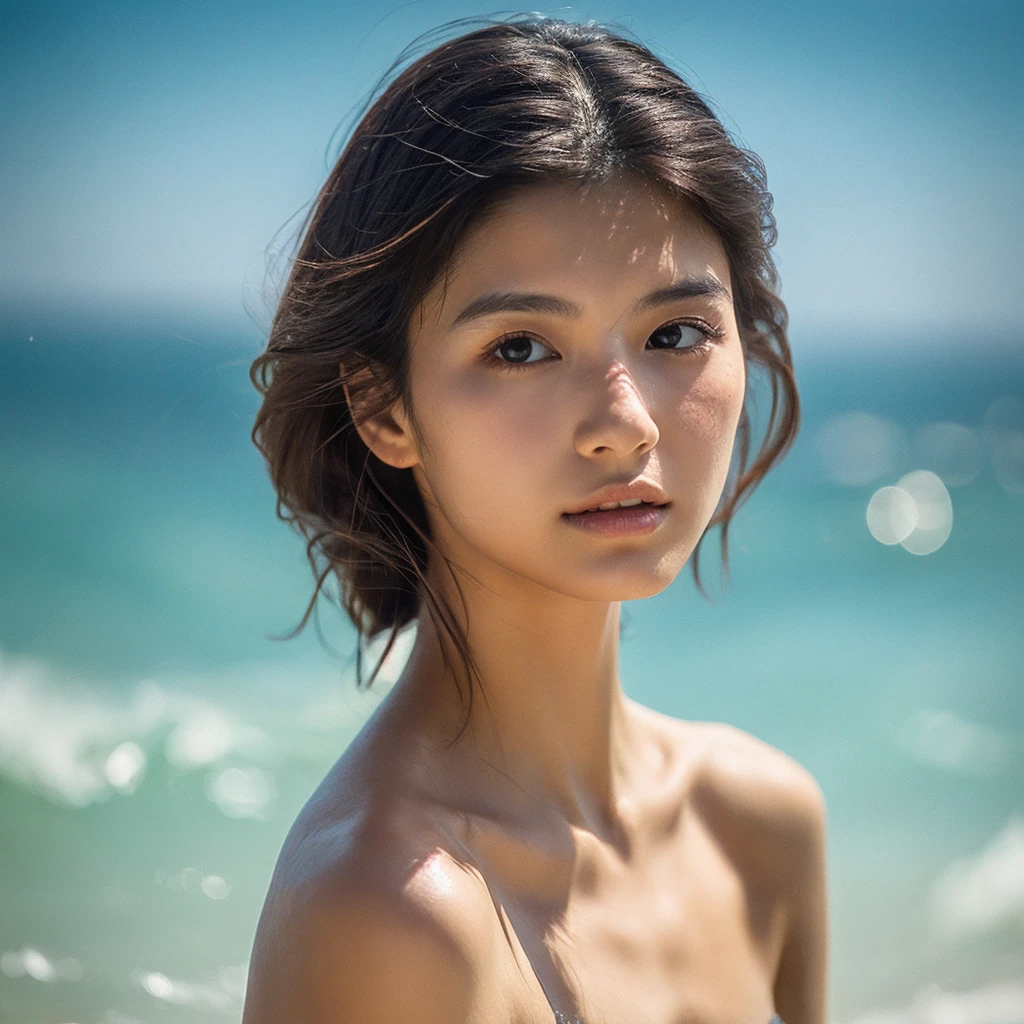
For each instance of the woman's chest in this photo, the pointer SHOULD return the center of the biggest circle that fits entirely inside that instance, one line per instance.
(688, 939)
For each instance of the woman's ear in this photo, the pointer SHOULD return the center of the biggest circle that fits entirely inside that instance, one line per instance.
(388, 434)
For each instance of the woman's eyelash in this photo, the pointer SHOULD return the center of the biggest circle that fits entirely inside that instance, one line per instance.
(710, 336)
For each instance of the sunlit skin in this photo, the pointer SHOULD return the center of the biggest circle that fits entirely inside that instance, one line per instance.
(508, 450)
(571, 846)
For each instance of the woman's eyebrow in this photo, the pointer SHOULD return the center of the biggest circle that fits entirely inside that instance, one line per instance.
(527, 302)
(516, 302)
(687, 288)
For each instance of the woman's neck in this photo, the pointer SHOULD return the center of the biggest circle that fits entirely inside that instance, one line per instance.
(551, 727)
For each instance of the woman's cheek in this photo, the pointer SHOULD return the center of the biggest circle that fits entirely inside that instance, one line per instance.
(707, 421)
(706, 412)
(720, 392)
(488, 454)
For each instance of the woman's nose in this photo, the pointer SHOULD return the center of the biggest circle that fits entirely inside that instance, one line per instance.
(617, 418)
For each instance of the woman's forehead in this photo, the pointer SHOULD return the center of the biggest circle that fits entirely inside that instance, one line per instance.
(550, 235)
(627, 210)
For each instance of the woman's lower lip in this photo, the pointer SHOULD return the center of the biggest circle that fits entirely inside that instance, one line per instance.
(619, 522)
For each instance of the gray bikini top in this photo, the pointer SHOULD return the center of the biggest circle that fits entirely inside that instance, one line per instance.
(560, 1018)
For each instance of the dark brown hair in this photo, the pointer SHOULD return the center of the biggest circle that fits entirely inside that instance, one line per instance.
(514, 102)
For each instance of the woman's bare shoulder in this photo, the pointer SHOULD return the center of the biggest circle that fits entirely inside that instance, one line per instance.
(760, 797)
(757, 777)
(773, 813)
(745, 788)
(368, 917)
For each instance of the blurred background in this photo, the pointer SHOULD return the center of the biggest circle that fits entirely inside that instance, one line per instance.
(155, 744)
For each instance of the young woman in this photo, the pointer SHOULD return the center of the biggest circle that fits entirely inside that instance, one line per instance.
(502, 394)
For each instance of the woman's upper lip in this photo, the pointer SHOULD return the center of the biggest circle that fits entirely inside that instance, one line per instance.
(645, 490)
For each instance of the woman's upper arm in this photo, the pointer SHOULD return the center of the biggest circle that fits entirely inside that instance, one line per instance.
(356, 953)
(800, 989)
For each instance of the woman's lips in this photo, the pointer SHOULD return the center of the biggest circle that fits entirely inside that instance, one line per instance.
(619, 522)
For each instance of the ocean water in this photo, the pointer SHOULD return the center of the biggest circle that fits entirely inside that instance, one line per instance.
(155, 744)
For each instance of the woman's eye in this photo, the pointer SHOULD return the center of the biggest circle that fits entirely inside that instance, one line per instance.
(682, 336)
(515, 351)
(520, 351)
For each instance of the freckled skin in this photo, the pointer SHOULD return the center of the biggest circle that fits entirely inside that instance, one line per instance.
(572, 847)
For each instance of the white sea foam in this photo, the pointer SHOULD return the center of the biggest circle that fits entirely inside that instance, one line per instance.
(208, 995)
(940, 738)
(33, 963)
(79, 741)
(984, 891)
(997, 1003)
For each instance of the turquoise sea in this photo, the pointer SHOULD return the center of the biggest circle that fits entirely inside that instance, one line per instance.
(155, 744)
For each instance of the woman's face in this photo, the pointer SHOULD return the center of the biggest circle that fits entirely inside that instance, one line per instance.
(527, 408)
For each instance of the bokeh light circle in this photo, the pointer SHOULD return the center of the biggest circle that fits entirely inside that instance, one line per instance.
(242, 792)
(215, 887)
(892, 515)
(934, 511)
(126, 766)
(955, 453)
(1004, 438)
(859, 447)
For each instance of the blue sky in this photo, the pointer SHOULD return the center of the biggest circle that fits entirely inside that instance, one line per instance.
(153, 153)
